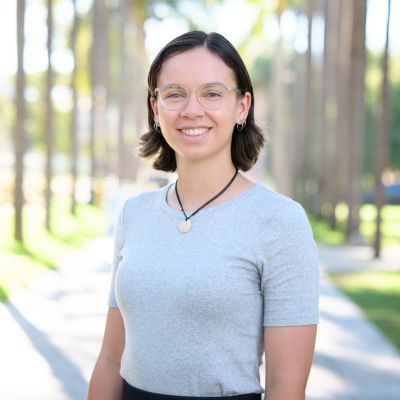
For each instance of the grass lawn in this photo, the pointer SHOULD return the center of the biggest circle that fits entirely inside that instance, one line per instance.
(41, 251)
(378, 294)
(390, 226)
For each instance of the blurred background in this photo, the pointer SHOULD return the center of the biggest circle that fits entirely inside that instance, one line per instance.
(73, 105)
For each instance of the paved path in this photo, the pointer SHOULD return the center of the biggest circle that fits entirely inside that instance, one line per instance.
(51, 333)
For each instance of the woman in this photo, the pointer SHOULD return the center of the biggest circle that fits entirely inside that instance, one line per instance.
(215, 269)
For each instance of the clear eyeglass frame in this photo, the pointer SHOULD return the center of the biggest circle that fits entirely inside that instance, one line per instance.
(176, 103)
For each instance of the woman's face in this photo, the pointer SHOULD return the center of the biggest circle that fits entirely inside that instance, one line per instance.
(196, 132)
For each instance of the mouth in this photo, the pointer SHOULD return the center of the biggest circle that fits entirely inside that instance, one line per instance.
(194, 131)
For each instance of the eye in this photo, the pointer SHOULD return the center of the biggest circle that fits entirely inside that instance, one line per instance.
(173, 93)
(212, 93)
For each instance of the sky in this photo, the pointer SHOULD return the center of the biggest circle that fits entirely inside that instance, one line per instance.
(226, 19)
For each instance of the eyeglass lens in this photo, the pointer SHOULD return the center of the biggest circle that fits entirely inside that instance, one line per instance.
(176, 97)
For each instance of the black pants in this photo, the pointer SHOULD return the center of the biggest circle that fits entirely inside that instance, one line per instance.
(131, 393)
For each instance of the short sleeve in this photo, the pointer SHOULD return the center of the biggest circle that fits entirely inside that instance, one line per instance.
(290, 271)
(118, 240)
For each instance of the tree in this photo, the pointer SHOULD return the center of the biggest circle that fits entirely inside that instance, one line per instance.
(99, 78)
(19, 124)
(381, 141)
(74, 112)
(355, 126)
(329, 190)
(48, 128)
(121, 166)
(281, 165)
(303, 170)
(344, 65)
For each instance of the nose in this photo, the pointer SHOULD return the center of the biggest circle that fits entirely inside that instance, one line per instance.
(192, 108)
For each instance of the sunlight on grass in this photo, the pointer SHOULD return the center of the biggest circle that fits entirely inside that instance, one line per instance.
(390, 225)
(43, 250)
(323, 234)
(16, 271)
(378, 295)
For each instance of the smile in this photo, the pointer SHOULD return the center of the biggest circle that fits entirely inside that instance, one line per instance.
(194, 131)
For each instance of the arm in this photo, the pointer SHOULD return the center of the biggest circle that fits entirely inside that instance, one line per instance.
(106, 382)
(288, 357)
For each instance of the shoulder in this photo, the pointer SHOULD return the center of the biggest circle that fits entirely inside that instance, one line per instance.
(277, 217)
(142, 203)
(145, 196)
(274, 205)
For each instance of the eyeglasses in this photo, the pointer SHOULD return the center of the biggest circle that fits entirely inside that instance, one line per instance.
(212, 96)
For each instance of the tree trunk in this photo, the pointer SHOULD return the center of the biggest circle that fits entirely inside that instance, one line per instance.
(343, 132)
(74, 114)
(121, 163)
(319, 134)
(98, 75)
(382, 139)
(279, 166)
(356, 119)
(48, 129)
(138, 61)
(302, 169)
(19, 124)
(330, 106)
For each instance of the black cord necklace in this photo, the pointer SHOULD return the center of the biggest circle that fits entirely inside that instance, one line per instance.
(186, 224)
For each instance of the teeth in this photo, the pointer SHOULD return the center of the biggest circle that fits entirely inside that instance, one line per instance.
(194, 132)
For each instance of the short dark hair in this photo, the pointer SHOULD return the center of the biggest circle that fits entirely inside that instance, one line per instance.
(246, 144)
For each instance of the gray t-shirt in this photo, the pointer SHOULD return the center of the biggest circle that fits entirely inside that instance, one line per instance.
(194, 305)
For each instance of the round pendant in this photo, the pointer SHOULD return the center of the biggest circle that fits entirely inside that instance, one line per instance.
(185, 226)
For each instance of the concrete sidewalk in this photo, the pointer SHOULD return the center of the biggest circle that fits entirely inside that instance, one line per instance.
(51, 335)
(353, 359)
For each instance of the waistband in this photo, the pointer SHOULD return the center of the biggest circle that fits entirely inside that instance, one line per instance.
(130, 392)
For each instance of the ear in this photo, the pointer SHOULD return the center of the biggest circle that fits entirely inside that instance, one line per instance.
(154, 107)
(243, 107)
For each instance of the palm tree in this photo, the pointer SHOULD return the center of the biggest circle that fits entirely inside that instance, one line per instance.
(99, 78)
(356, 116)
(74, 112)
(282, 168)
(19, 124)
(304, 140)
(48, 128)
(341, 159)
(381, 147)
(121, 164)
(330, 107)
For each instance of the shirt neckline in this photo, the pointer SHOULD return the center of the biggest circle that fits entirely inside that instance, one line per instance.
(166, 207)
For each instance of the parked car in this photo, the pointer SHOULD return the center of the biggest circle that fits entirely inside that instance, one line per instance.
(392, 194)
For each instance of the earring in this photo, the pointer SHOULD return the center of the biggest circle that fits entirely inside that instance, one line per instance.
(241, 126)
(156, 127)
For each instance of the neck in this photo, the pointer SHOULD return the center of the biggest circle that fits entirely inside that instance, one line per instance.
(198, 182)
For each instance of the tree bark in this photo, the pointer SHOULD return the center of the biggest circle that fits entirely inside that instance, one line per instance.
(99, 78)
(330, 106)
(343, 131)
(356, 119)
(279, 166)
(74, 114)
(121, 162)
(319, 137)
(48, 129)
(19, 143)
(303, 167)
(382, 140)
